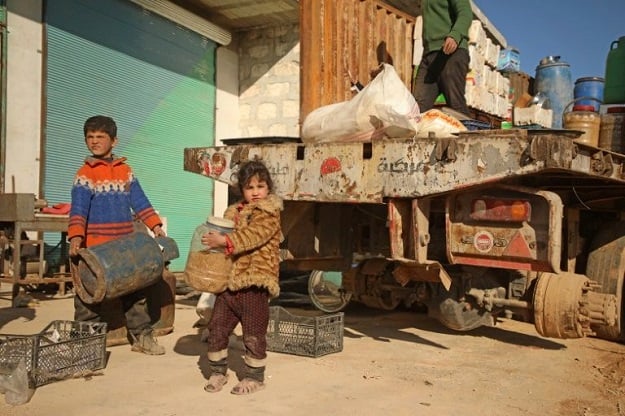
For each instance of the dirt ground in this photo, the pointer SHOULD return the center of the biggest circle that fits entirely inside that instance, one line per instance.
(396, 363)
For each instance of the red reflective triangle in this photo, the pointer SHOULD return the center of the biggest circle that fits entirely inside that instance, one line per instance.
(518, 247)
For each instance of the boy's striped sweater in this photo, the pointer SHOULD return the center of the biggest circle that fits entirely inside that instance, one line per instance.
(105, 195)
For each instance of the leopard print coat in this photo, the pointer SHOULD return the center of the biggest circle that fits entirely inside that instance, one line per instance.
(256, 239)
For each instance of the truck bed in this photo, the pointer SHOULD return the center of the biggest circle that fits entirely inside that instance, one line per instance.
(413, 168)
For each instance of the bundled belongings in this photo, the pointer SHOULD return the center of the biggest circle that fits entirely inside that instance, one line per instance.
(383, 108)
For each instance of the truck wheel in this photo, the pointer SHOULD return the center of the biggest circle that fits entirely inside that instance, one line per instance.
(326, 291)
(606, 266)
(557, 300)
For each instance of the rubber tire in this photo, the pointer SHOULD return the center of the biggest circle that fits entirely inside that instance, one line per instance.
(607, 254)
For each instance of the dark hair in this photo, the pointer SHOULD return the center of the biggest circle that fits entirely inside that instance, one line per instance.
(253, 168)
(101, 123)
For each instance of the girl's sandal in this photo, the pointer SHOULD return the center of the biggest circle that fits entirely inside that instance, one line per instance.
(216, 382)
(247, 386)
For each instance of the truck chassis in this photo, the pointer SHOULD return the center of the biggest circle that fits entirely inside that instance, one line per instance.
(522, 222)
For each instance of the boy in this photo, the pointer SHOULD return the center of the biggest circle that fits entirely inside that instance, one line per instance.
(105, 195)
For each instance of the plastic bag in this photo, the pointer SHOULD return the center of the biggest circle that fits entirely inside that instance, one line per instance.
(15, 386)
(383, 105)
(439, 123)
(204, 307)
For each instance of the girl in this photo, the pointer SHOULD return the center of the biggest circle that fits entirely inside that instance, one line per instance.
(253, 281)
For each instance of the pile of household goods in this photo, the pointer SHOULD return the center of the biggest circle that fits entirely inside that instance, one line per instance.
(383, 108)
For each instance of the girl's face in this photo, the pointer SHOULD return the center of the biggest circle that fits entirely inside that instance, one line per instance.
(100, 144)
(255, 190)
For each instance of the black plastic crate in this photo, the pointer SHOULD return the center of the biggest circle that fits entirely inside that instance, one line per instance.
(310, 336)
(63, 349)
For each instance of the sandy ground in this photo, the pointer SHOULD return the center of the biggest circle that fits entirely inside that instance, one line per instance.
(396, 363)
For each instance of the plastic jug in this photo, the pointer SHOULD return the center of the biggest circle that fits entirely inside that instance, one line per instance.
(208, 270)
(614, 89)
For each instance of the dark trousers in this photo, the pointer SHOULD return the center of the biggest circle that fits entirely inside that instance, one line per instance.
(133, 306)
(440, 73)
(249, 306)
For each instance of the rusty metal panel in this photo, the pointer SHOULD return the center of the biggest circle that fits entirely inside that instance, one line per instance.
(534, 245)
(334, 173)
(409, 168)
(338, 36)
(222, 163)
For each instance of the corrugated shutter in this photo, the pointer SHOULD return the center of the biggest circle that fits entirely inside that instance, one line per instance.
(156, 79)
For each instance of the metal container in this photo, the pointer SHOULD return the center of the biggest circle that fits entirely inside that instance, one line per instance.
(612, 132)
(122, 266)
(553, 78)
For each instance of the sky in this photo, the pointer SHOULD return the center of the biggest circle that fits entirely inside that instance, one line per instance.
(579, 31)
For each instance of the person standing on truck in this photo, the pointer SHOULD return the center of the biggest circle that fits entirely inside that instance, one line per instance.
(445, 61)
(253, 281)
(105, 197)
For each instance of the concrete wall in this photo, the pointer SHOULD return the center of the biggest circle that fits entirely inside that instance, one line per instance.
(24, 96)
(226, 113)
(269, 73)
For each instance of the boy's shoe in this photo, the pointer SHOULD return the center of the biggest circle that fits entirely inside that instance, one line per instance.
(146, 343)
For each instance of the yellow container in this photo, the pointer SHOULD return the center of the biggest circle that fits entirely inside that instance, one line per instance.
(587, 121)
(612, 132)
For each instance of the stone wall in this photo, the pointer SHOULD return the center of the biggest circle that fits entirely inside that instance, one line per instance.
(269, 86)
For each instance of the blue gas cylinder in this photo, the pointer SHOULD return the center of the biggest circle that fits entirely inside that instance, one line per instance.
(122, 266)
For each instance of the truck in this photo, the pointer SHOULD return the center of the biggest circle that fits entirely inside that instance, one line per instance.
(525, 223)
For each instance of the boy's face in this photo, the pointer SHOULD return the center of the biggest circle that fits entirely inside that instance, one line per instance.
(100, 144)
(255, 190)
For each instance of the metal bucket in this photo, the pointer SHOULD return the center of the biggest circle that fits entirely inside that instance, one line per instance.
(122, 266)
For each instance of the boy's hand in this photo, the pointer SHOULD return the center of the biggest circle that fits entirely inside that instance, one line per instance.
(450, 45)
(74, 246)
(158, 231)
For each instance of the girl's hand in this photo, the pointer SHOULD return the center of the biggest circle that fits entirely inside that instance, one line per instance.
(213, 240)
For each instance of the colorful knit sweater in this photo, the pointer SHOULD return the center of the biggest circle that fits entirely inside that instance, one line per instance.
(443, 18)
(106, 197)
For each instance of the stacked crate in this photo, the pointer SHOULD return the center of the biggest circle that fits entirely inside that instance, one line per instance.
(487, 89)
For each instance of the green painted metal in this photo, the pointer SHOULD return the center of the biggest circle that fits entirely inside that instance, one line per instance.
(156, 79)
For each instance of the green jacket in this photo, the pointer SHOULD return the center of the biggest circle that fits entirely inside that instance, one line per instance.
(443, 18)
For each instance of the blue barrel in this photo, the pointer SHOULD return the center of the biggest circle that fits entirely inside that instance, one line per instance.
(588, 88)
(122, 266)
(553, 78)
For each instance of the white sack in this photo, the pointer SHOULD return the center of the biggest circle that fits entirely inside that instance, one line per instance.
(385, 103)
